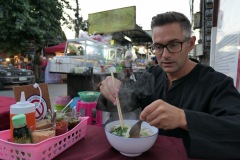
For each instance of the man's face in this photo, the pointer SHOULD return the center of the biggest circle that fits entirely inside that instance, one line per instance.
(172, 63)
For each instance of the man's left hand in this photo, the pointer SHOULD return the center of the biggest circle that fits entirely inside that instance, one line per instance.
(163, 115)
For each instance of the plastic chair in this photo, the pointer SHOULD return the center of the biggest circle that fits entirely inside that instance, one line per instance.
(88, 108)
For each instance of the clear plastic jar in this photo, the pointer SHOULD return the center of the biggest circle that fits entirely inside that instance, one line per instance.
(73, 119)
(39, 135)
(61, 124)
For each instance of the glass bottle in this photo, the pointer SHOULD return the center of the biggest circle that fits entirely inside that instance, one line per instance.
(20, 131)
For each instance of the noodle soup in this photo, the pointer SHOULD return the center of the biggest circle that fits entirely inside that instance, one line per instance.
(130, 146)
(118, 131)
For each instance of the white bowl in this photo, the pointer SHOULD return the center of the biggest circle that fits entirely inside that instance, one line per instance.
(131, 146)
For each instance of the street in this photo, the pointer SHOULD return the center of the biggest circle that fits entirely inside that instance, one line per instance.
(53, 89)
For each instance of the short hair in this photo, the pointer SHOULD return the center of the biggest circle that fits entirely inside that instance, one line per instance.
(172, 17)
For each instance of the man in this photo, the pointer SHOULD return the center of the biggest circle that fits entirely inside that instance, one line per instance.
(187, 100)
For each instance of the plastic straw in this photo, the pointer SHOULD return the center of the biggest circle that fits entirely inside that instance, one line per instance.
(66, 106)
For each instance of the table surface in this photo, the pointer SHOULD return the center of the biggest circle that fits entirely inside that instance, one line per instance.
(5, 103)
(95, 146)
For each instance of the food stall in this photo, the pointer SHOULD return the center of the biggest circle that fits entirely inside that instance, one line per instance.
(89, 59)
(86, 62)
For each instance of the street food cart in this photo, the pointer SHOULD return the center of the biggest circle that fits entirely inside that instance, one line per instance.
(86, 62)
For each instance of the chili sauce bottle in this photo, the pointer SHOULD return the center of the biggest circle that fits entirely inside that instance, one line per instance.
(20, 131)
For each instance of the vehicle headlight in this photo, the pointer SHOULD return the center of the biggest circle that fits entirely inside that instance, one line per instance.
(29, 73)
(9, 73)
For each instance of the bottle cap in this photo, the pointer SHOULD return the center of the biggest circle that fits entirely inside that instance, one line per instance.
(22, 106)
(19, 120)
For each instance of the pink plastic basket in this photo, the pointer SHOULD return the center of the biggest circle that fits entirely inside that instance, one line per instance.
(45, 150)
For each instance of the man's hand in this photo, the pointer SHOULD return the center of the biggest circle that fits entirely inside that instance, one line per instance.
(163, 115)
(110, 90)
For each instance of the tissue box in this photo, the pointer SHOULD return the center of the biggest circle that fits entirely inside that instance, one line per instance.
(64, 65)
(52, 65)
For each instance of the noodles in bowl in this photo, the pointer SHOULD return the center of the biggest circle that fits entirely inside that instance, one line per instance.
(131, 146)
(118, 131)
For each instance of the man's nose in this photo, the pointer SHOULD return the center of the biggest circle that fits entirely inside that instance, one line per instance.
(165, 52)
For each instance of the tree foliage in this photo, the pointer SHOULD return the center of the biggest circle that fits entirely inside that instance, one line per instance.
(36, 21)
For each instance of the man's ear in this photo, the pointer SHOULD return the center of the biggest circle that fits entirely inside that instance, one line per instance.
(191, 43)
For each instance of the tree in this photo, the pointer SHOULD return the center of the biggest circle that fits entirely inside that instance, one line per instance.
(78, 22)
(38, 21)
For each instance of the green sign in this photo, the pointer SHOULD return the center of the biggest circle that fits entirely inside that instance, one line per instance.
(116, 20)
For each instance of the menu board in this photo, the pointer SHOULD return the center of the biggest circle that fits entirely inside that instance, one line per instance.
(110, 21)
(226, 43)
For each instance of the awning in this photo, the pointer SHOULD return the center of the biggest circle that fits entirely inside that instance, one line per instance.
(137, 36)
(57, 48)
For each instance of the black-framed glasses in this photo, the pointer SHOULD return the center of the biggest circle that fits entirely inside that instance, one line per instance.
(173, 47)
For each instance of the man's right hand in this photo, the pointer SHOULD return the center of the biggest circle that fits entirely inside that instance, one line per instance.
(109, 89)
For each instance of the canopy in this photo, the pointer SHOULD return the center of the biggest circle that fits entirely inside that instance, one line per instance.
(57, 48)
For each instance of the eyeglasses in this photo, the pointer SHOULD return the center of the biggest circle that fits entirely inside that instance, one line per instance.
(173, 47)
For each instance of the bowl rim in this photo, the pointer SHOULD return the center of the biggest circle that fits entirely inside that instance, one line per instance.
(85, 92)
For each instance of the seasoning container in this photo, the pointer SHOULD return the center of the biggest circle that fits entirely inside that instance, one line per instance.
(73, 119)
(61, 124)
(61, 102)
(40, 135)
(26, 108)
(20, 131)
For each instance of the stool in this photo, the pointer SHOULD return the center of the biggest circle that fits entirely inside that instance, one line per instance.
(88, 108)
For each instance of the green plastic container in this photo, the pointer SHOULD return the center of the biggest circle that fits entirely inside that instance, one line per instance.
(60, 107)
(61, 102)
(88, 96)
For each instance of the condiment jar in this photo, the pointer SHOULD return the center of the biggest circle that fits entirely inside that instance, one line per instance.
(61, 124)
(73, 119)
(20, 131)
(23, 107)
(61, 102)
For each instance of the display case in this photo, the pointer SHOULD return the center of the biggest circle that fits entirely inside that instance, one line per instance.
(89, 49)
(83, 53)
(86, 62)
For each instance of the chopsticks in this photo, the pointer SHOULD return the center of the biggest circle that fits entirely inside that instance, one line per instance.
(118, 106)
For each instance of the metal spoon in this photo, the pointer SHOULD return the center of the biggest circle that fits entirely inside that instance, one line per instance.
(135, 130)
(50, 112)
(54, 117)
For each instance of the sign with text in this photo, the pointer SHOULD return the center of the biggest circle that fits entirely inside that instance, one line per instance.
(110, 21)
(32, 95)
(226, 41)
